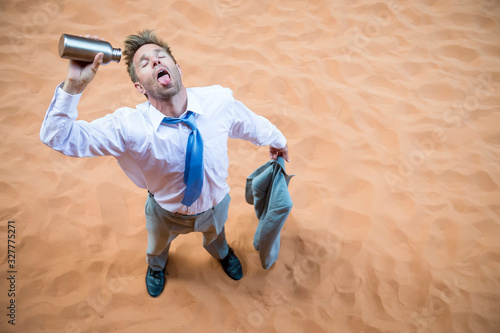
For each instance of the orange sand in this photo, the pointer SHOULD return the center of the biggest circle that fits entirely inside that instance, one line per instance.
(391, 110)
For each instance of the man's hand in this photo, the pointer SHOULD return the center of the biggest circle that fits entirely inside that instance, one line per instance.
(275, 152)
(81, 73)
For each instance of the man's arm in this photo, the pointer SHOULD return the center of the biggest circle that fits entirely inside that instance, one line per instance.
(62, 132)
(260, 131)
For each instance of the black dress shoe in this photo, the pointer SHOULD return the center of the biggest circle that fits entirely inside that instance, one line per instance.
(231, 265)
(155, 281)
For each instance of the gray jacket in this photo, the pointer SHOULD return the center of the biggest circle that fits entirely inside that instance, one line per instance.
(267, 190)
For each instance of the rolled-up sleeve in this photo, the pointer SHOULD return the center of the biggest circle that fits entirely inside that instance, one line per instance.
(78, 138)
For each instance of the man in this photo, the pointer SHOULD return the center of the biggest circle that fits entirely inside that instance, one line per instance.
(174, 145)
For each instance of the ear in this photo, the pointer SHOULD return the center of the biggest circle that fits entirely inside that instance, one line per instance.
(179, 68)
(138, 86)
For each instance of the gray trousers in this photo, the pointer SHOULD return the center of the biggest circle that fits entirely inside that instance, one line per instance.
(164, 226)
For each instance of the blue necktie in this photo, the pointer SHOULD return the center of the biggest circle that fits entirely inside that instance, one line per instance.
(193, 171)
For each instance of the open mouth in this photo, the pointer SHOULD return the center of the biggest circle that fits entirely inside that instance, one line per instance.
(163, 77)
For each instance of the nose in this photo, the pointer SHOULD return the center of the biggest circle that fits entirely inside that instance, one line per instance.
(155, 61)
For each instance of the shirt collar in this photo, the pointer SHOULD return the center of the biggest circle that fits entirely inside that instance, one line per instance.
(192, 105)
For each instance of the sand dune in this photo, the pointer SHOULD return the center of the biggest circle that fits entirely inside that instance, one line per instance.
(391, 111)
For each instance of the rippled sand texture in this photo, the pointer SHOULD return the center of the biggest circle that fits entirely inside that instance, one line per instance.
(392, 115)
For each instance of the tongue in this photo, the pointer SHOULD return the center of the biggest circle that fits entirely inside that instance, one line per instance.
(164, 80)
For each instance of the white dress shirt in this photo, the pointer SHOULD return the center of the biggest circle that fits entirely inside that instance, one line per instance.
(153, 155)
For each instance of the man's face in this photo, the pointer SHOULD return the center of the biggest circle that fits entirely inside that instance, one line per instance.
(159, 77)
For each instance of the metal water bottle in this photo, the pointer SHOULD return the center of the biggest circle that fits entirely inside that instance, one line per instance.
(85, 49)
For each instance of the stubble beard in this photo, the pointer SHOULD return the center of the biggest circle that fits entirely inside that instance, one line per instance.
(172, 89)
